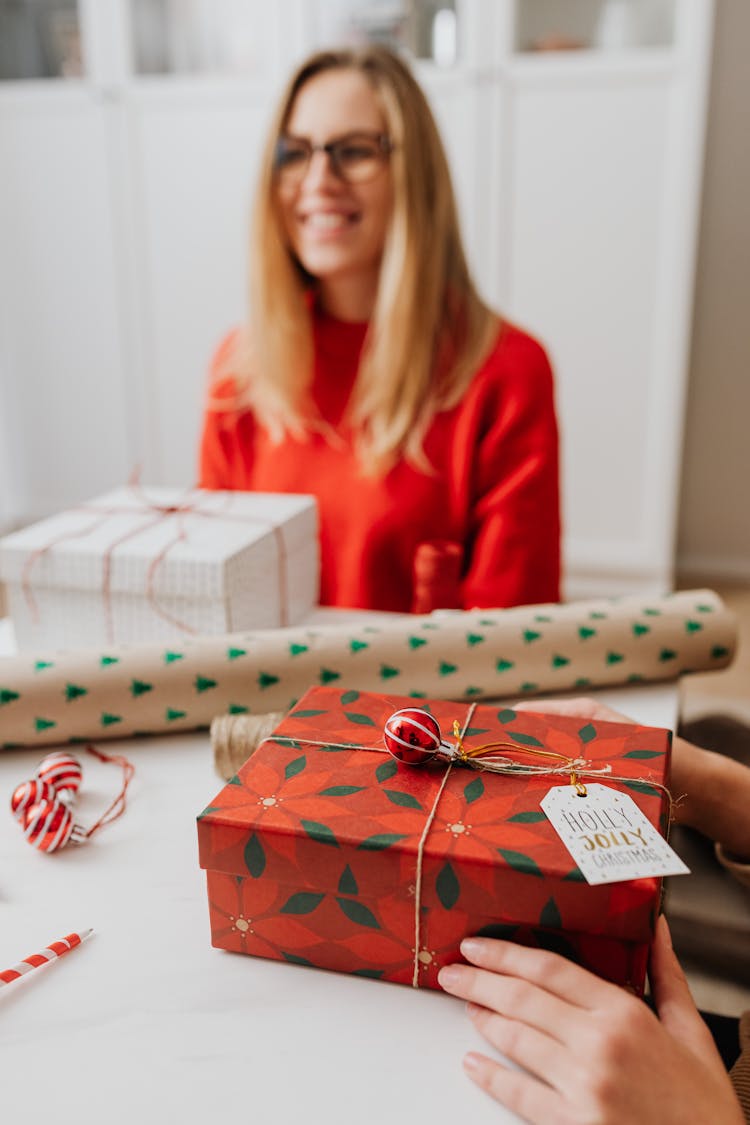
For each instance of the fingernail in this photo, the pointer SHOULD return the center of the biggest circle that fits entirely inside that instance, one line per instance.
(473, 1009)
(472, 947)
(449, 976)
(471, 1062)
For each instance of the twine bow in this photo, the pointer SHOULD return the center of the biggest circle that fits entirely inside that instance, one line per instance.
(485, 757)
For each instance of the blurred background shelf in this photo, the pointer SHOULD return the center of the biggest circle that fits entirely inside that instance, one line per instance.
(546, 26)
(40, 39)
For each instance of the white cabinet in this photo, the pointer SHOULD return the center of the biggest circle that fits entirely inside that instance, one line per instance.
(63, 350)
(194, 155)
(124, 204)
(613, 304)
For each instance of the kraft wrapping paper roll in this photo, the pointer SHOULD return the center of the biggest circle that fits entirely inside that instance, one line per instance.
(156, 688)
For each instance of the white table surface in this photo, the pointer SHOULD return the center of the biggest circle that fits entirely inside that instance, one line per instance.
(147, 1022)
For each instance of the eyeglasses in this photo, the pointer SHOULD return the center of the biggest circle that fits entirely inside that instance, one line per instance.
(355, 158)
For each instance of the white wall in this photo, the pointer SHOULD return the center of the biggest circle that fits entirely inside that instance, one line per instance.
(714, 520)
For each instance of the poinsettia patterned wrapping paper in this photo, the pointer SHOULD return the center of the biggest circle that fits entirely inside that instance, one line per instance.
(311, 851)
(113, 692)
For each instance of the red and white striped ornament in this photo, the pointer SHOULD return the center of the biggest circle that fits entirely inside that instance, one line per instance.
(49, 825)
(43, 806)
(412, 736)
(63, 772)
(30, 793)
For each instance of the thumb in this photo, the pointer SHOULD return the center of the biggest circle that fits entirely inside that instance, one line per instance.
(672, 997)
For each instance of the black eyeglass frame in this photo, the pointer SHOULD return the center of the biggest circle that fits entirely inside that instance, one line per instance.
(331, 149)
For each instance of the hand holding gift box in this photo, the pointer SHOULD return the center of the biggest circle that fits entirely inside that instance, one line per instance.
(322, 853)
(518, 997)
(587, 1050)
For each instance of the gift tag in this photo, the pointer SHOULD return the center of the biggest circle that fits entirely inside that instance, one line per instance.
(608, 836)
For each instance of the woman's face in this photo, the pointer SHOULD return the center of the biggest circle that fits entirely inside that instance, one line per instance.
(335, 227)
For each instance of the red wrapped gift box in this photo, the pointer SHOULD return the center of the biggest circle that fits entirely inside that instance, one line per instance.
(311, 851)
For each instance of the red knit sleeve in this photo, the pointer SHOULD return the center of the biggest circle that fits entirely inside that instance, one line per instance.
(217, 454)
(514, 532)
(214, 459)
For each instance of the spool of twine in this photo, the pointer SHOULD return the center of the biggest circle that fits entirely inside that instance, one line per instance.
(235, 737)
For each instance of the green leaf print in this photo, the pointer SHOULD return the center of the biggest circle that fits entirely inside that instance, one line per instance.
(447, 886)
(404, 800)
(524, 739)
(295, 767)
(255, 857)
(303, 902)
(386, 770)
(380, 841)
(358, 913)
(550, 916)
(474, 790)
(356, 717)
(347, 882)
(320, 832)
(520, 862)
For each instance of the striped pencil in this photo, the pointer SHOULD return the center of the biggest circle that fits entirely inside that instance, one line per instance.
(56, 949)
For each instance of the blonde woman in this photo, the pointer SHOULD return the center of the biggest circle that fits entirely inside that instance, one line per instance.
(371, 374)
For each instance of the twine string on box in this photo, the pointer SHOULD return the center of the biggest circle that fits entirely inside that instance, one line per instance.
(161, 512)
(574, 768)
(423, 840)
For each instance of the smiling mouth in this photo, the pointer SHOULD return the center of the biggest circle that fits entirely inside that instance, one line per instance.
(328, 220)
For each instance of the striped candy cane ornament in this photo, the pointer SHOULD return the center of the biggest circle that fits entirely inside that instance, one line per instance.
(43, 805)
(30, 793)
(49, 825)
(63, 772)
(57, 778)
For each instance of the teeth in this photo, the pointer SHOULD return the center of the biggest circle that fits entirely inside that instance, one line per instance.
(326, 220)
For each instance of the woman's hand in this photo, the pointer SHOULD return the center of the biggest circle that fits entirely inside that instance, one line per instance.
(590, 1052)
(578, 708)
(711, 792)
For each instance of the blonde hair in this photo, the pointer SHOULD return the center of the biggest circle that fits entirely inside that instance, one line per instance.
(429, 330)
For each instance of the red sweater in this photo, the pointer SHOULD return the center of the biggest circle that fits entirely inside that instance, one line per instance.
(495, 489)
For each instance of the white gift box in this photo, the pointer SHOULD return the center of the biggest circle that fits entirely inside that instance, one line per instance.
(150, 564)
